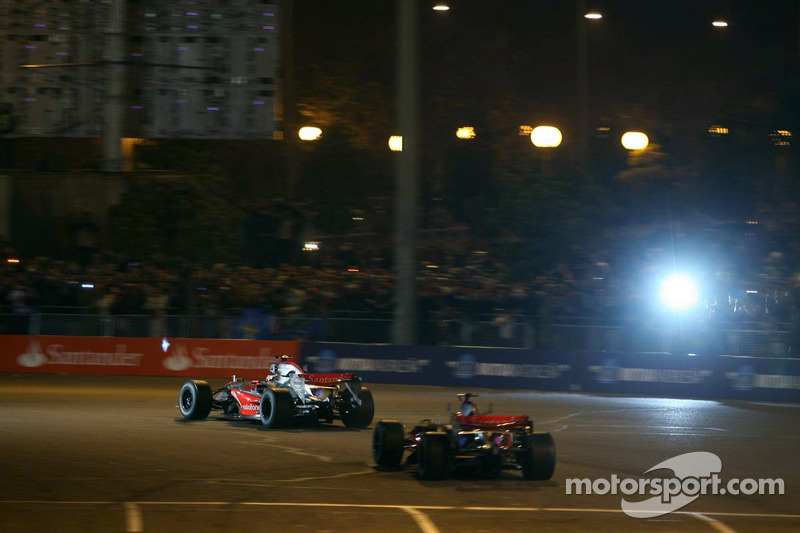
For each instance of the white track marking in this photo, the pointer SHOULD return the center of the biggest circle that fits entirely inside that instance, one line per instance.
(294, 451)
(556, 420)
(668, 430)
(293, 480)
(713, 522)
(133, 518)
(133, 510)
(580, 413)
(767, 404)
(628, 426)
(422, 520)
(335, 476)
(143, 503)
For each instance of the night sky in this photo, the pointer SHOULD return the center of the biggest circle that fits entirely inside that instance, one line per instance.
(662, 60)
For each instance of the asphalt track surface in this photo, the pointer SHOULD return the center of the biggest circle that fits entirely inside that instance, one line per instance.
(113, 454)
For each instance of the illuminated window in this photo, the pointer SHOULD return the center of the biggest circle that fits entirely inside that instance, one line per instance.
(465, 132)
(781, 137)
(716, 129)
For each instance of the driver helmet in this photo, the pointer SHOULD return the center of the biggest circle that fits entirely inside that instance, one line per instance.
(273, 369)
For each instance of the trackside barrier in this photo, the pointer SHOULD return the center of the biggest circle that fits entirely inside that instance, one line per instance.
(650, 374)
(120, 356)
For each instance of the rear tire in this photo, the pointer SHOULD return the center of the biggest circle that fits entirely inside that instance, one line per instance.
(539, 461)
(195, 399)
(360, 416)
(434, 459)
(387, 443)
(276, 408)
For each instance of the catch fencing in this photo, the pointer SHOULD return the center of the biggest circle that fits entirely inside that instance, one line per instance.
(572, 333)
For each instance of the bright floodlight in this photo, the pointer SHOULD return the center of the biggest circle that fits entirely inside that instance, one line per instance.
(635, 140)
(593, 16)
(719, 24)
(441, 7)
(546, 137)
(309, 133)
(678, 292)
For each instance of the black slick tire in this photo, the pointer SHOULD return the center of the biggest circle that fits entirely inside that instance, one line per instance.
(434, 457)
(360, 416)
(387, 443)
(539, 461)
(195, 399)
(276, 408)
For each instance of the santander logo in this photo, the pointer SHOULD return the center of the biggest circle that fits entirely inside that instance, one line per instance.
(178, 361)
(56, 353)
(183, 358)
(33, 357)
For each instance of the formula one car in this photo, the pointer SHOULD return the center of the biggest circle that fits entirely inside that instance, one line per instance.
(491, 443)
(286, 396)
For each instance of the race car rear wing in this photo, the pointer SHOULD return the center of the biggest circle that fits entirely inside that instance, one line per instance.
(492, 422)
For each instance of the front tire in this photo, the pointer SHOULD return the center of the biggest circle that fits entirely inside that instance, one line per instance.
(195, 399)
(539, 461)
(434, 459)
(387, 443)
(276, 408)
(360, 416)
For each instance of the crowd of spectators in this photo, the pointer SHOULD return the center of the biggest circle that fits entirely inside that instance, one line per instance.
(457, 280)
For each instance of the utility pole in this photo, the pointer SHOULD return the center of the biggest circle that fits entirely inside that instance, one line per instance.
(407, 171)
(115, 87)
(289, 102)
(583, 90)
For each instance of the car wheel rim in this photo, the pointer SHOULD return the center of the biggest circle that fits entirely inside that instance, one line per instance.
(187, 401)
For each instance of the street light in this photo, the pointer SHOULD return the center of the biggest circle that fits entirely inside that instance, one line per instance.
(396, 143)
(309, 133)
(635, 140)
(546, 137)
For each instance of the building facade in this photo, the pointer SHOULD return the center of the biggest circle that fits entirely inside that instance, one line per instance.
(181, 69)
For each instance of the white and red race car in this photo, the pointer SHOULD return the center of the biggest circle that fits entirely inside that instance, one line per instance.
(288, 395)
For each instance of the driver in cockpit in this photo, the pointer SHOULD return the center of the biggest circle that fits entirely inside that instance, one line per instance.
(273, 372)
(468, 407)
(276, 377)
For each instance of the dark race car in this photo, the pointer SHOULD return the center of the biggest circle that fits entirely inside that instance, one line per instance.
(488, 442)
(288, 395)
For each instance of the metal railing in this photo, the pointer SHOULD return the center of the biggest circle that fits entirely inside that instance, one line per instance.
(751, 339)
